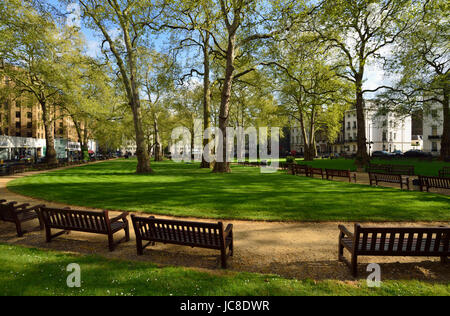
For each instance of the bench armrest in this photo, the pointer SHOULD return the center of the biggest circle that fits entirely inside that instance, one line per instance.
(123, 216)
(345, 231)
(228, 230)
(35, 208)
(22, 206)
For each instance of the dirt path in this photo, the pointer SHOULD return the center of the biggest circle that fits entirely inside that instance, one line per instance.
(294, 250)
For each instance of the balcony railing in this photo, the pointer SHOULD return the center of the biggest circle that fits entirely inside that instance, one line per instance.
(434, 137)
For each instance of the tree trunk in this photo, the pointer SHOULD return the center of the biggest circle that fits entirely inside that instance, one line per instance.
(224, 165)
(157, 148)
(362, 157)
(50, 155)
(192, 143)
(141, 147)
(306, 141)
(445, 141)
(143, 157)
(206, 97)
(79, 134)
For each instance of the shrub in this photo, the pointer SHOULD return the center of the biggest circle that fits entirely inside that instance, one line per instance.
(290, 159)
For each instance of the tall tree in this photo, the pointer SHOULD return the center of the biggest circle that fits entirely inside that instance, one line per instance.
(311, 91)
(360, 30)
(244, 24)
(421, 64)
(157, 73)
(129, 18)
(192, 22)
(32, 51)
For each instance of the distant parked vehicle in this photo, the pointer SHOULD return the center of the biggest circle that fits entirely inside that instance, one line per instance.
(397, 153)
(381, 154)
(417, 154)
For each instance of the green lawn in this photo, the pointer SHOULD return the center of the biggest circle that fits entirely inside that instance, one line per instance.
(186, 190)
(26, 272)
(424, 168)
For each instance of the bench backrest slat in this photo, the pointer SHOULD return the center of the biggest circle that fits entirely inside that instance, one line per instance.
(338, 173)
(180, 232)
(406, 170)
(75, 220)
(386, 177)
(445, 172)
(434, 182)
(402, 241)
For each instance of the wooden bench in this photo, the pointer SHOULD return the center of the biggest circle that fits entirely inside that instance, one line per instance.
(284, 165)
(388, 178)
(444, 173)
(433, 182)
(192, 234)
(84, 221)
(316, 171)
(17, 169)
(332, 173)
(404, 170)
(300, 170)
(18, 214)
(378, 168)
(403, 242)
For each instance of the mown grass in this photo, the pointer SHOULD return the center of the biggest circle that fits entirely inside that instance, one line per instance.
(33, 272)
(185, 190)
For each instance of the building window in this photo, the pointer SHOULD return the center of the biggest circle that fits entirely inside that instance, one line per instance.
(434, 131)
(434, 114)
(434, 146)
(17, 124)
(18, 114)
(18, 134)
(30, 115)
(29, 125)
(29, 134)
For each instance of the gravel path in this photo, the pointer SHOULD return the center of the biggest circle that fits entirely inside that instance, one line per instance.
(295, 250)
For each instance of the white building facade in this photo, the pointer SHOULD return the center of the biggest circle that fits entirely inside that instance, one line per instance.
(433, 128)
(388, 132)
